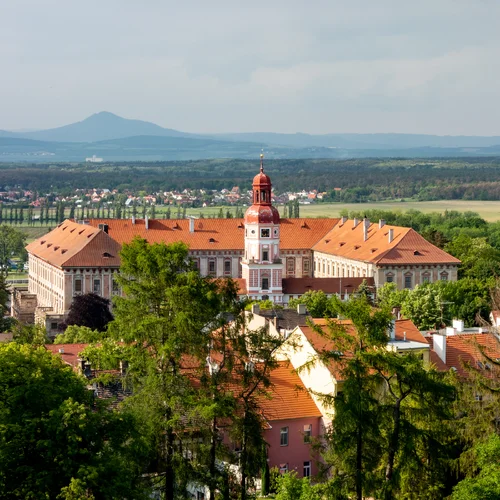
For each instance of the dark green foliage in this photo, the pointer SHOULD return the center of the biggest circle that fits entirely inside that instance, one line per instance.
(53, 439)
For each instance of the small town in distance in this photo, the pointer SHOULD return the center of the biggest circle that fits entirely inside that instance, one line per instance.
(250, 253)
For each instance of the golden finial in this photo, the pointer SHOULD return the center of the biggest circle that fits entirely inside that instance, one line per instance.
(262, 161)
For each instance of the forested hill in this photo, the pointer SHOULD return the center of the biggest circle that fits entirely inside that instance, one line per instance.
(358, 179)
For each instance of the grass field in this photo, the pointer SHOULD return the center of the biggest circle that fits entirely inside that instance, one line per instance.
(489, 210)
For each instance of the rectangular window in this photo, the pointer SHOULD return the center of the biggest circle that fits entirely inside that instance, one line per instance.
(96, 286)
(227, 266)
(425, 278)
(444, 276)
(284, 436)
(265, 283)
(115, 287)
(290, 265)
(408, 281)
(283, 468)
(307, 433)
(389, 278)
(307, 469)
(211, 266)
(78, 284)
(53, 326)
(306, 266)
(265, 255)
(265, 233)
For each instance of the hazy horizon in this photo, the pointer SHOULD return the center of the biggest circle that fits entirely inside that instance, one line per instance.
(326, 67)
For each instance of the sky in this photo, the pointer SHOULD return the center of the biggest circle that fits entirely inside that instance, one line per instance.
(363, 66)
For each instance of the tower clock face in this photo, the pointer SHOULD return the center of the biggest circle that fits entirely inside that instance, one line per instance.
(265, 233)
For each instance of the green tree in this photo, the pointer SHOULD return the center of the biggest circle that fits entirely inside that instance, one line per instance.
(355, 442)
(423, 305)
(485, 484)
(12, 242)
(156, 320)
(53, 438)
(316, 302)
(75, 334)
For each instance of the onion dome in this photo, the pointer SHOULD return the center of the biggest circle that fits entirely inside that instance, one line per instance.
(262, 210)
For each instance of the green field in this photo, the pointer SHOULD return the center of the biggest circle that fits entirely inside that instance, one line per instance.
(489, 210)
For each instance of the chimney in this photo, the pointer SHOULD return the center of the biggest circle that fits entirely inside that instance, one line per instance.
(440, 346)
(381, 223)
(255, 309)
(146, 222)
(191, 224)
(392, 330)
(133, 219)
(391, 235)
(301, 309)
(344, 219)
(458, 324)
(366, 225)
(355, 222)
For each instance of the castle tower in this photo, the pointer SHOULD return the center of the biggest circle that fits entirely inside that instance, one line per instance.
(261, 265)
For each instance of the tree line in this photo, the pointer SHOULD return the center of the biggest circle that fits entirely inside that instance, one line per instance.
(353, 180)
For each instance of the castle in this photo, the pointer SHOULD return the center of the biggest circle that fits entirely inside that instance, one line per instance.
(270, 257)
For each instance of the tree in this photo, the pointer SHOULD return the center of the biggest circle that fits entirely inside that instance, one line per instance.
(423, 305)
(89, 310)
(165, 317)
(485, 484)
(12, 242)
(316, 302)
(75, 334)
(354, 442)
(54, 441)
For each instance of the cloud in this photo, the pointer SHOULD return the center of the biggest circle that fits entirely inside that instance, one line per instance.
(357, 66)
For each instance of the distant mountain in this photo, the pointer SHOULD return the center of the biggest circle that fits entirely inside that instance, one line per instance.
(158, 148)
(105, 126)
(364, 141)
(100, 127)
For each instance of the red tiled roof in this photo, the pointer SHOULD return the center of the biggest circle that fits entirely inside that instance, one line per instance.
(227, 234)
(71, 244)
(463, 348)
(327, 285)
(412, 332)
(70, 354)
(407, 246)
(323, 343)
(289, 397)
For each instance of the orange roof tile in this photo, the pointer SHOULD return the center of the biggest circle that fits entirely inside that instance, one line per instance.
(71, 352)
(289, 397)
(407, 246)
(323, 343)
(214, 234)
(76, 245)
(463, 348)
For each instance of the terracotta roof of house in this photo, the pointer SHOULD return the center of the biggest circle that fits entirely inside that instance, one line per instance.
(76, 245)
(289, 397)
(294, 286)
(321, 343)
(463, 348)
(71, 352)
(407, 246)
(214, 234)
